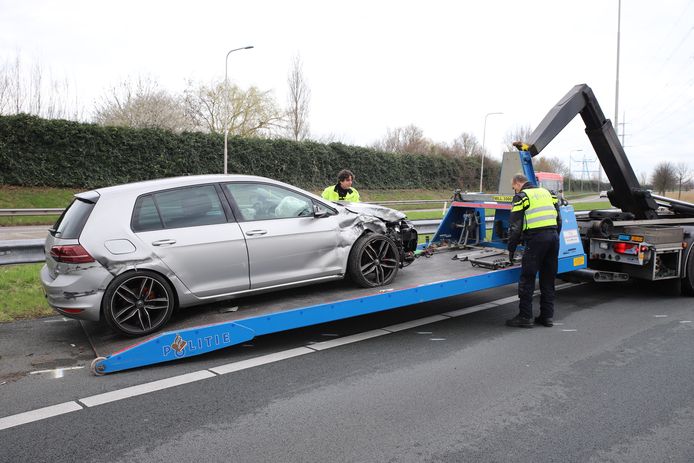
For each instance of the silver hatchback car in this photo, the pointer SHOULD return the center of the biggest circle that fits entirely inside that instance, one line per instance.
(132, 253)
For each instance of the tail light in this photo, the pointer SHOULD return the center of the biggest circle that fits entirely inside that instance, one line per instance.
(625, 248)
(71, 254)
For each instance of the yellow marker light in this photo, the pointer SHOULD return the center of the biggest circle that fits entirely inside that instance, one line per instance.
(636, 238)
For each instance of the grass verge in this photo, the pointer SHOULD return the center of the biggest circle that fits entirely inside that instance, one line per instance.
(22, 295)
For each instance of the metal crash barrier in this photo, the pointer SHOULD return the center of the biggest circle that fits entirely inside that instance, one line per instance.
(21, 251)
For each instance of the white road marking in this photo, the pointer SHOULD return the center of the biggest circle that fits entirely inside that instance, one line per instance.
(416, 323)
(660, 316)
(262, 360)
(38, 414)
(476, 308)
(146, 388)
(59, 320)
(55, 370)
(133, 391)
(504, 301)
(349, 339)
(569, 330)
(686, 321)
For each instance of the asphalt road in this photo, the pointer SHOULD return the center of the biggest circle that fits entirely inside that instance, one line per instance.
(613, 382)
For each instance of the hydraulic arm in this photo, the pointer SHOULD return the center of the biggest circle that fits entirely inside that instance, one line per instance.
(626, 194)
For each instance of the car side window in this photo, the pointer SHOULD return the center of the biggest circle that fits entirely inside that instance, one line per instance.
(183, 207)
(145, 216)
(190, 207)
(259, 201)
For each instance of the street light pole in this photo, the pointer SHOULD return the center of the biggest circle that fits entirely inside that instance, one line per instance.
(570, 164)
(484, 136)
(226, 100)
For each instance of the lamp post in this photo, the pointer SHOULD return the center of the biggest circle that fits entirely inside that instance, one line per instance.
(570, 164)
(226, 100)
(484, 136)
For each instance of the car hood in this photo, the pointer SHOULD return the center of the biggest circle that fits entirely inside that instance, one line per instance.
(384, 213)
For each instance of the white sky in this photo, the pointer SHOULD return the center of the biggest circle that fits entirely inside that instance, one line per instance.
(373, 65)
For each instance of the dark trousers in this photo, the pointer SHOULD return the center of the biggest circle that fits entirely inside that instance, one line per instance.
(540, 255)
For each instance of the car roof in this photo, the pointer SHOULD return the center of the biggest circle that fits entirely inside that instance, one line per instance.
(147, 186)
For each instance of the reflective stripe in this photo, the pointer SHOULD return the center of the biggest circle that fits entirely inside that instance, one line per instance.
(551, 218)
(543, 208)
(541, 211)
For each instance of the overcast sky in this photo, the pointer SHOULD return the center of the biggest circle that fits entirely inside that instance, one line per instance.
(374, 65)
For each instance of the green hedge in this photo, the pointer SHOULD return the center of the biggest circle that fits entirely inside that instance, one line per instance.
(58, 153)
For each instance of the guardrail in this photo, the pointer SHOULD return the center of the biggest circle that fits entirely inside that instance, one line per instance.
(25, 212)
(21, 251)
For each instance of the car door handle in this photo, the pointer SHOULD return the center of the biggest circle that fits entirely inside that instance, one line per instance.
(256, 232)
(163, 242)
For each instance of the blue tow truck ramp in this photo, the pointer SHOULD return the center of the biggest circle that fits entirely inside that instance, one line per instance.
(459, 260)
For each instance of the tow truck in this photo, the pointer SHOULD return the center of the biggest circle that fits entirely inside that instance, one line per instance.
(646, 236)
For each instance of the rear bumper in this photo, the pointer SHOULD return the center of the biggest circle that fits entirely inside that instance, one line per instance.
(80, 290)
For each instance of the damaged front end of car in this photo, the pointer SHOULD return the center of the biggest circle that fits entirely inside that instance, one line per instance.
(400, 230)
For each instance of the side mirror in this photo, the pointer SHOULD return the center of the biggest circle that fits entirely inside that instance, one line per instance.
(319, 212)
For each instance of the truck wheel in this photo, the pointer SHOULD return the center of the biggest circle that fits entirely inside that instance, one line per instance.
(138, 303)
(688, 281)
(373, 261)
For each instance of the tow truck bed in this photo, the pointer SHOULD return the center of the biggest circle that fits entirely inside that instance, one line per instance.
(237, 321)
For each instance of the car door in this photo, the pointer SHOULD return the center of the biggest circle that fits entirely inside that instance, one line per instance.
(286, 241)
(192, 233)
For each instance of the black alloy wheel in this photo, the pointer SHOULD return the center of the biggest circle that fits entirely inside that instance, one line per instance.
(138, 303)
(373, 261)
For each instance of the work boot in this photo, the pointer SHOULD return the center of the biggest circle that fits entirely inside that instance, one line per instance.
(548, 322)
(520, 322)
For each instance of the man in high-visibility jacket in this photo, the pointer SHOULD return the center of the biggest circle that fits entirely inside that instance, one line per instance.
(343, 190)
(535, 219)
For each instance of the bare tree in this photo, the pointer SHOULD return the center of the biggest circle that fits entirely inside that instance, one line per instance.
(408, 139)
(5, 89)
(141, 104)
(298, 101)
(550, 164)
(26, 89)
(683, 175)
(246, 113)
(466, 145)
(643, 179)
(663, 178)
(520, 133)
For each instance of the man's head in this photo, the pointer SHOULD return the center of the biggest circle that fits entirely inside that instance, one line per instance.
(345, 178)
(518, 181)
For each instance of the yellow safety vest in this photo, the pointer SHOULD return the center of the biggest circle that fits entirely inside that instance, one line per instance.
(331, 195)
(539, 207)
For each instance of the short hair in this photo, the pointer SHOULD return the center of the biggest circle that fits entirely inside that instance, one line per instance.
(520, 178)
(344, 174)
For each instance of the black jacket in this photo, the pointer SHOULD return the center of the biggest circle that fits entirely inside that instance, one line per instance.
(515, 227)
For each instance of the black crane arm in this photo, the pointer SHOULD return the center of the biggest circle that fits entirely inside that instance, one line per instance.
(627, 194)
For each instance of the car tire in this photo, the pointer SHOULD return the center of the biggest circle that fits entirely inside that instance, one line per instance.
(373, 261)
(138, 303)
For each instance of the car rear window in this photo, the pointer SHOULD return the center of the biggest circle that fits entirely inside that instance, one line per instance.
(70, 224)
